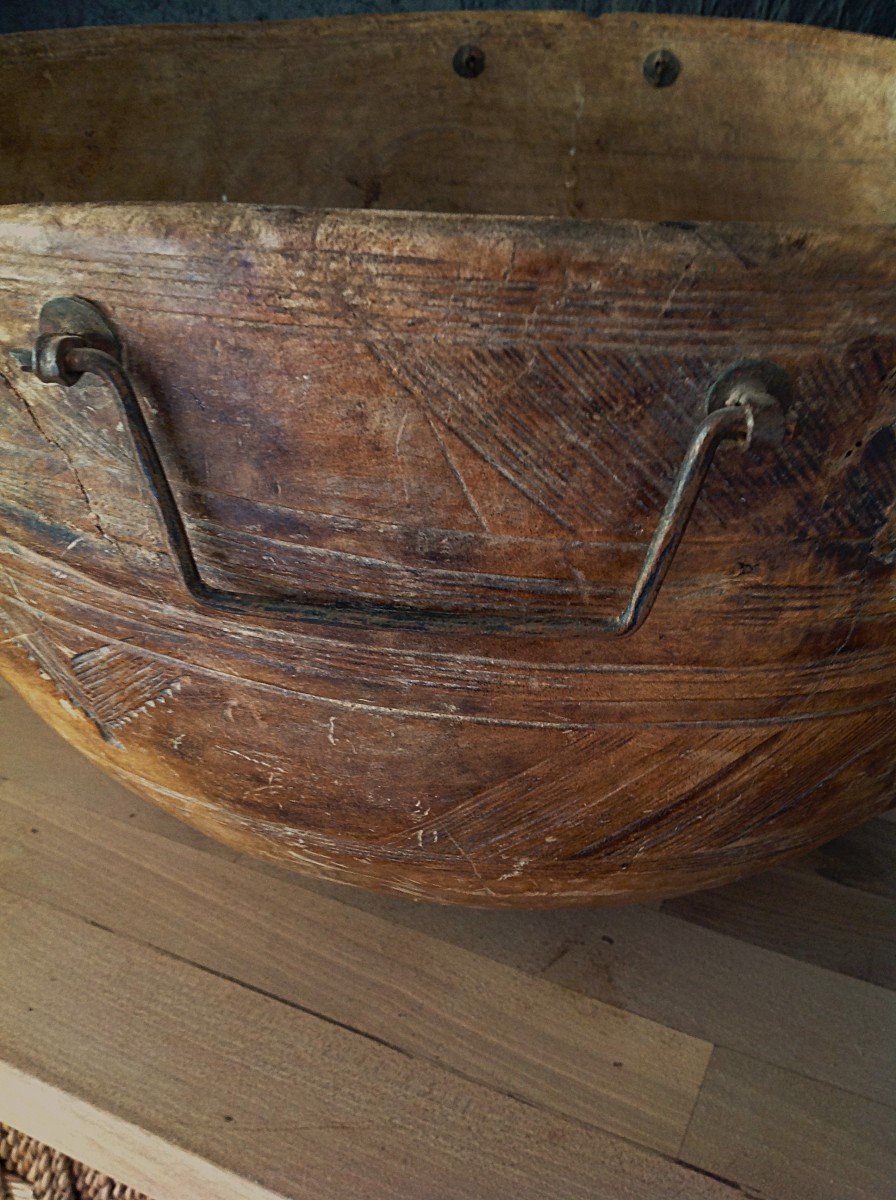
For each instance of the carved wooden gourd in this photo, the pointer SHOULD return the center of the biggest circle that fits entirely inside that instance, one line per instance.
(530, 559)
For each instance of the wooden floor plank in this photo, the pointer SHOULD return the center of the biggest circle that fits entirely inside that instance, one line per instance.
(759, 1002)
(789, 1136)
(799, 912)
(292, 1102)
(800, 1017)
(714, 986)
(501, 1027)
(863, 859)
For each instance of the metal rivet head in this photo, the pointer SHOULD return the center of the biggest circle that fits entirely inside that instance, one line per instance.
(469, 61)
(661, 68)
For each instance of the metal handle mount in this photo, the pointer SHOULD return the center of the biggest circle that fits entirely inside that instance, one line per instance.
(747, 404)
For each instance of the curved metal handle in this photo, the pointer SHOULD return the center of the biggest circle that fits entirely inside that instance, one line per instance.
(746, 404)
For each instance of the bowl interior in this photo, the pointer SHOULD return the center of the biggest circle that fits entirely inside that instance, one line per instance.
(550, 114)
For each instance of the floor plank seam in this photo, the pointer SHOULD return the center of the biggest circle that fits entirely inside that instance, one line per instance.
(742, 1188)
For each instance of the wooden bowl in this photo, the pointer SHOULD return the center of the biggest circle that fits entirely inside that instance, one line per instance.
(424, 317)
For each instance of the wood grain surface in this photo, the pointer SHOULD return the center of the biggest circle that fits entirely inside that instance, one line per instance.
(204, 1024)
(444, 409)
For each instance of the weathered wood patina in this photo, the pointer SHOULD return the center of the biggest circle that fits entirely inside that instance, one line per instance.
(422, 339)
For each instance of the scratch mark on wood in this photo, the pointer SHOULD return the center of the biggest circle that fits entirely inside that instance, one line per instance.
(455, 470)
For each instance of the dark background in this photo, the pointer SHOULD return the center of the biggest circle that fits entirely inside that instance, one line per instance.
(865, 16)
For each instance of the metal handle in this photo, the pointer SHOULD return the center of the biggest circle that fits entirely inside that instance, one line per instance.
(746, 404)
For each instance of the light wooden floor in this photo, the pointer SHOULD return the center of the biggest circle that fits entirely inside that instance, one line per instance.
(204, 1027)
